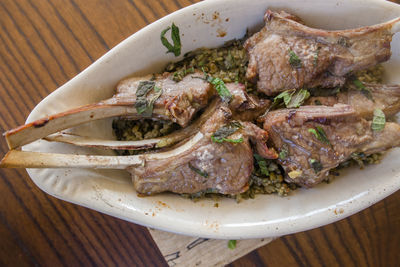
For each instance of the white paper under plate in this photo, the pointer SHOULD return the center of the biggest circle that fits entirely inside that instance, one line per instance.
(111, 192)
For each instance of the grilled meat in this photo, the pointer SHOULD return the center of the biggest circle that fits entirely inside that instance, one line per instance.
(314, 139)
(202, 164)
(286, 54)
(178, 102)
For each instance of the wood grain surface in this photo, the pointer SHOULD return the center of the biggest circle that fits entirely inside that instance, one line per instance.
(43, 44)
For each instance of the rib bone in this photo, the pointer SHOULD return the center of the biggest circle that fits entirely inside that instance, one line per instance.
(178, 102)
(159, 142)
(365, 101)
(30, 132)
(28, 159)
(199, 164)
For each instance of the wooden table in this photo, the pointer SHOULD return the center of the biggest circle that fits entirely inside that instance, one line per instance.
(43, 44)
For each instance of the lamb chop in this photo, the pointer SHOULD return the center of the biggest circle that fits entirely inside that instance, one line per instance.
(207, 164)
(208, 160)
(157, 97)
(364, 100)
(286, 54)
(314, 139)
(245, 108)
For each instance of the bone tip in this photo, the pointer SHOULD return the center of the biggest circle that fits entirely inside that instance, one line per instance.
(4, 161)
(10, 144)
(396, 26)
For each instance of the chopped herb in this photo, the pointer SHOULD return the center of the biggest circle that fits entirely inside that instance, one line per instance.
(316, 165)
(222, 133)
(358, 157)
(320, 134)
(177, 76)
(262, 164)
(317, 102)
(220, 87)
(232, 244)
(176, 47)
(316, 55)
(144, 87)
(239, 140)
(143, 105)
(229, 61)
(294, 60)
(291, 98)
(283, 153)
(378, 121)
(285, 96)
(364, 90)
(150, 106)
(198, 171)
(298, 98)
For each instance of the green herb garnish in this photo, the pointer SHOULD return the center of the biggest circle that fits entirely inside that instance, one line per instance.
(176, 47)
(316, 165)
(291, 98)
(358, 157)
(283, 153)
(294, 60)
(143, 105)
(198, 171)
(298, 98)
(378, 121)
(285, 96)
(177, 76)
(320, 134)
(364, 90)
(150, 106)
(316, 55)
(222, 133)
(144, 87)
(220, 87)
(232, 244)
(262, 164)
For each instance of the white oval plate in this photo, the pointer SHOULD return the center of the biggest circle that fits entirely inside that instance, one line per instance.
(111, 192)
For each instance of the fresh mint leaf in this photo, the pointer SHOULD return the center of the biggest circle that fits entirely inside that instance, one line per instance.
(225, 131)
(143, 105)
(294, 60)
(174, 48)
(262, 164)
(232, 244)
(320, 134)
(378, 121)
(316, 165)
(298, 98)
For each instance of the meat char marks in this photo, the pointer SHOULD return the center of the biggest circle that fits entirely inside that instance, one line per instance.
(286, 54)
